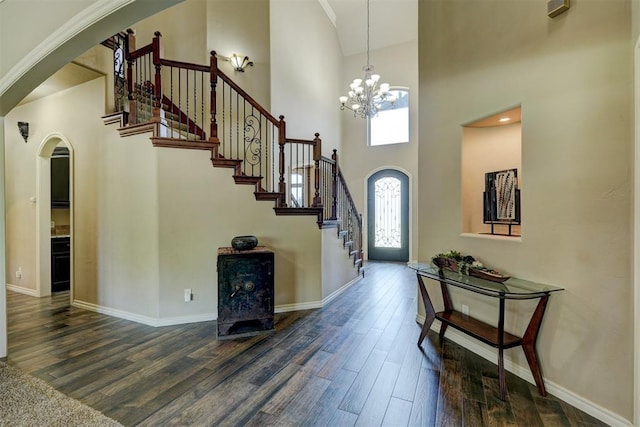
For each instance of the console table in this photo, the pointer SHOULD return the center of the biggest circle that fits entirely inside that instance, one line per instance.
(496, 336)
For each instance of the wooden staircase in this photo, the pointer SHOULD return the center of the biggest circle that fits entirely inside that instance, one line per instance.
(178, 101)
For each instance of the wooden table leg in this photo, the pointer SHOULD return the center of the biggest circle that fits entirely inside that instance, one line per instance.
(529, 343)
(501, 376)
(430, 313)
(448, 305)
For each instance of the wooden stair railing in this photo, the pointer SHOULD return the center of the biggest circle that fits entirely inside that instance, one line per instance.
(342, 211)
(119, 45)
(177, 100)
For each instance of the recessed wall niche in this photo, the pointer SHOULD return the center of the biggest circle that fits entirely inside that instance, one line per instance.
(489, 145)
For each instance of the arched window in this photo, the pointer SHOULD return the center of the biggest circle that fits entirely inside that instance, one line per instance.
(391, 124)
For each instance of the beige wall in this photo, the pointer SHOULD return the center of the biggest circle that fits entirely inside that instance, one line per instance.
(337, 265)
(242, 27)
(45, 116)
(183, 28)
(305, 71)
(127, 242)
(572, 75)
(357, 159)
(635, 21)
(100, 59)
(201, 210)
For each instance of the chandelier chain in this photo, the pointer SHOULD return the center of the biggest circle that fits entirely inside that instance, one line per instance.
(366, 97)
(368, 34)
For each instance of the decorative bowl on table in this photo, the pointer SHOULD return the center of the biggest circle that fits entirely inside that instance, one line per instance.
(244, 243)
(454, 261)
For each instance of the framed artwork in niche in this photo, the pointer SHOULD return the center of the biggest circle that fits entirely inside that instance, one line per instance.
(501, 198)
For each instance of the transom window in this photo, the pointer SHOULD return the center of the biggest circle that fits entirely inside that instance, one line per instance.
(391, 124)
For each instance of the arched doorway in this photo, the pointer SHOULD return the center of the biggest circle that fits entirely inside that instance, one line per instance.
(46, 216)
(388, 216)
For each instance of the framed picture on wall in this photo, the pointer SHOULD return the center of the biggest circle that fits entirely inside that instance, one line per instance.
(501, 198)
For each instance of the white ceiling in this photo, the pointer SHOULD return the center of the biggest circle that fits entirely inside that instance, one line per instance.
(391, 22)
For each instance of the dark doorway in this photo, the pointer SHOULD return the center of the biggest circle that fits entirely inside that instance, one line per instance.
(388, 216)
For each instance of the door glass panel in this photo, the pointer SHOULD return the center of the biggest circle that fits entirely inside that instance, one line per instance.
(388, 225)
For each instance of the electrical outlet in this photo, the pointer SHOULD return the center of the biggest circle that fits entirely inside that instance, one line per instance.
(465, 309)
(188, 296)
(19, 273)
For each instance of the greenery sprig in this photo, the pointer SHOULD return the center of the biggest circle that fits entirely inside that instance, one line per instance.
(464, 262)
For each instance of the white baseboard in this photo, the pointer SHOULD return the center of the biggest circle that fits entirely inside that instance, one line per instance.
(207, 317)
(316, 304)
(340, 290)
(557, 390)
(284, 308)
(21, 290)
(145, 320)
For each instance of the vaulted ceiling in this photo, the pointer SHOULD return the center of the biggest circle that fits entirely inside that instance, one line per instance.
(391, 22)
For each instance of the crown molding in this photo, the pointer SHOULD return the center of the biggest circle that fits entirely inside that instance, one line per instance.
(331, 14)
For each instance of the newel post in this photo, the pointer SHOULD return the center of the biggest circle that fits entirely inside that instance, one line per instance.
(130, 47)
(334, 185)
(317, 153)
(157, 90)
(282, 187)
(213, 81)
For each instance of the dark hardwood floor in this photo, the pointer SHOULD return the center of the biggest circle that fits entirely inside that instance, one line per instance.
(354, 362)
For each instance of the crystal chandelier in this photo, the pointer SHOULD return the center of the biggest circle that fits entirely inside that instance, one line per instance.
(366, 97)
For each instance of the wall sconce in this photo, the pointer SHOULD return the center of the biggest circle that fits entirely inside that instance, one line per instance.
(23, 127)
(240, 63)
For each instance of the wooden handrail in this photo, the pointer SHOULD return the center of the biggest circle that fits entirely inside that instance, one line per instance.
(300, 141)
(347, 193)
(138, 53)
(328, 160)
(248, 98)
(185, 65)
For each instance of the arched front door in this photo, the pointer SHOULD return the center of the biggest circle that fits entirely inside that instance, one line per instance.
(388, 216)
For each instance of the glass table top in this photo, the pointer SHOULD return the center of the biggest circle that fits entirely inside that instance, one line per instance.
(511, 288)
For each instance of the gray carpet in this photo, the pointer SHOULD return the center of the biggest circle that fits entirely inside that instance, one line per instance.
(27, 401)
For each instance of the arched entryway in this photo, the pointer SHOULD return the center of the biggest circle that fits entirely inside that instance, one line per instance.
(388, 216)
(44, 231)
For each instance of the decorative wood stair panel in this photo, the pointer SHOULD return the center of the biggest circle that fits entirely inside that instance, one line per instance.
(181, 143)
(267, 195)
(246, 179)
